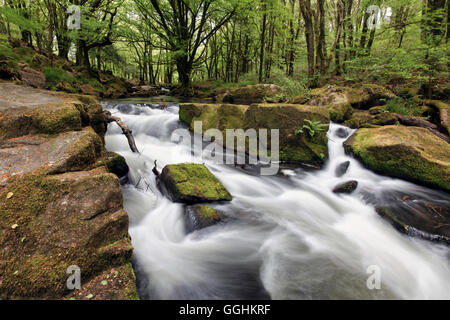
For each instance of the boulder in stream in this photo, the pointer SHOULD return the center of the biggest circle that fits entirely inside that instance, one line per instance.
(346, 187)
(191, 183)
(201, 216)
(258, 93)
(342, 169)
(409, 153)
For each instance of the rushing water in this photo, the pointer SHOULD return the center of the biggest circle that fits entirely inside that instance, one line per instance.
(286, 237)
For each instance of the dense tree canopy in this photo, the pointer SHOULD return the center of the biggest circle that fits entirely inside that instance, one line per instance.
(292, 42)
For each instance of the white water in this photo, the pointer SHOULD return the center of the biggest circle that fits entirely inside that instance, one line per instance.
(288, 237)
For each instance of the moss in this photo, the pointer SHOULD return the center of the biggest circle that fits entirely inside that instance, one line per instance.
(117, 164)
(405, 152)
(194, 181)
(64, 117)
(209, 213)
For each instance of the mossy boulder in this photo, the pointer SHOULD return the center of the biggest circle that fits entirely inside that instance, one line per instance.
(410, 153)
(285, 117)
(340, 99)
(117, 164)
(191, 183)
(365, 119)
(201, 216)
(259, 93)
(301, 148)
(61, 221)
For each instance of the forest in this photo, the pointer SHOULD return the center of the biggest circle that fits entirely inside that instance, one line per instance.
(297, 44)
(117, 116)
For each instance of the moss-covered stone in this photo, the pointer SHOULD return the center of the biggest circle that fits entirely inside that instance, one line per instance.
(409, 153)
(117, 164)
(259, 93)
(443, 111)
(287, 118)
(364, 119)
(346, 187)
(191, 183)
(201, 216)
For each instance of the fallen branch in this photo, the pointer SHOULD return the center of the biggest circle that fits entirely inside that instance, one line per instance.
(125, 130)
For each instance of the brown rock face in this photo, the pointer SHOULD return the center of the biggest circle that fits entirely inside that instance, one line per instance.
(32, 77)
(258, 93)
(60, 207)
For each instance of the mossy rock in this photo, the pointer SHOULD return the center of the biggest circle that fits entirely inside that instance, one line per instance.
(364, 119)
(302, 148)
(201, 216)
(410, 153)
(117, 164)
(62, 220)
(191, 183)
(259, 93)
(64, 117)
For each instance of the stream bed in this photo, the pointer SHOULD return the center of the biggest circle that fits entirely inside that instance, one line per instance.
(285, 237)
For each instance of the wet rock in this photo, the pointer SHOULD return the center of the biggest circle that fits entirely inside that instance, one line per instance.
(32, 77)
(342, 133)
(342, 169)
(117, 164)
(426, 221)
(410, 153)
(191, 183)
(347, 187)
(201, 216)
(259, 93)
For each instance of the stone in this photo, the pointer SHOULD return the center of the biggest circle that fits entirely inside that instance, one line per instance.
(32, 77)
(409, 153)
(342, 169)
(201, 216)
(346, 187)
(191, 183)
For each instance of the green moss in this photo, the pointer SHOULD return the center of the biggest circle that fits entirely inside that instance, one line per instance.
(405, 152)
(65, 117)
(117, 164)
(208, 213)
(195, 180)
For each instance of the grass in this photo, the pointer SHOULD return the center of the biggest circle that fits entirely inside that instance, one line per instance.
(55, 75)
(404, 107)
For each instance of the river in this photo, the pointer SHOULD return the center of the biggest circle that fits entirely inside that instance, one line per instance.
(285, 237)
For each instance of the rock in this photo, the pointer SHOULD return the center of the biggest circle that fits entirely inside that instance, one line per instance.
(443, 111)
(201, 216)
(87, 89)
(285, 117)
(259, 93)
(70, 151)
(363, 119)
(25, 111)
(342, 169)
(410, 153)
(65, 207)
(340, 99)
(115, 91)
(430, 223)
(347, 187)
(342, 133)
(377, 110)
(191, 183)
(70, 219)
(32, 77)
(117, 164)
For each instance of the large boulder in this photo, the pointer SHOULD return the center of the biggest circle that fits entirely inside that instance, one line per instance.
(410, 153)
(258, 93)
(201, 216)
(191, 183)
(59, 206)
(302, 149)
(340, 100)
(442, 110)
